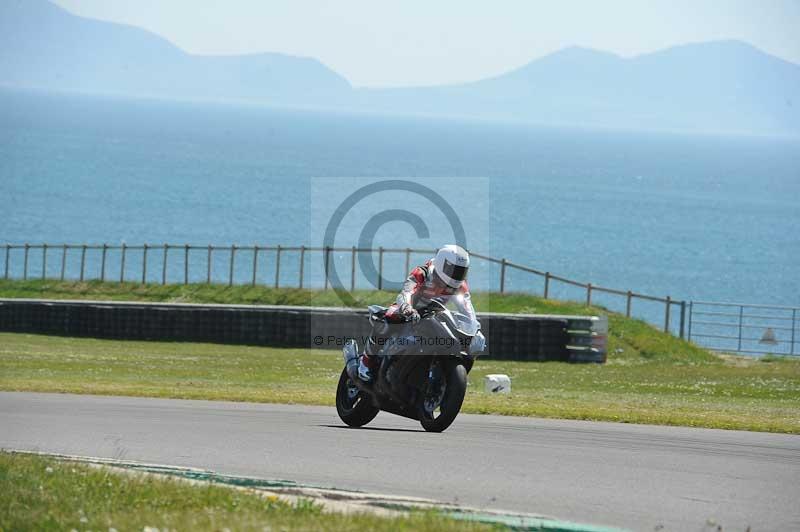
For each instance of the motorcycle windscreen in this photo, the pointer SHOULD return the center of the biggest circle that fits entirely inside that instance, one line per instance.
(466, 324)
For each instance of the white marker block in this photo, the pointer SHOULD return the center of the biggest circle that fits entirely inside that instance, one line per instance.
(497, 383)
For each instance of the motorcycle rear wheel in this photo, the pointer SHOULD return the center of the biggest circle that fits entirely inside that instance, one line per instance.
(455, 383)
(352, 405)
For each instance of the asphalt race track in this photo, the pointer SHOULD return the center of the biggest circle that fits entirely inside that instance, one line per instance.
(631, 476)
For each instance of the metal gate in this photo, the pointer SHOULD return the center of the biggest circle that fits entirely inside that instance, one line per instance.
(740, 328)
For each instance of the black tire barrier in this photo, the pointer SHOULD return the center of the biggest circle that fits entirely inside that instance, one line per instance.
(509, 336)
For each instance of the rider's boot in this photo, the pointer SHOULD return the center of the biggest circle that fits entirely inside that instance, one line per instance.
(364, 371)
(367, 364)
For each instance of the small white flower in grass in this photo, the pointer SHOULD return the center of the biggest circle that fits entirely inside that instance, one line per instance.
(84, 519)
(112, 529)
(48, 469)
(150, 529)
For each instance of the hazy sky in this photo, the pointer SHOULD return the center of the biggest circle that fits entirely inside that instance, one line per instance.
(416, 42)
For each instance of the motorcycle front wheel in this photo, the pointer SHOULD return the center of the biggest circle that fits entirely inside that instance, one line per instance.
(352, 405)
(438, 411)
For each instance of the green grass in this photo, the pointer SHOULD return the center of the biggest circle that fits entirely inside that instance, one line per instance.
(628, 335)
(261, 295)
(40, 493)
(641, 384)
(650, 376)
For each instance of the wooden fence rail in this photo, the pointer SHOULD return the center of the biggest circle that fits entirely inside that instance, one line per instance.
(191, 252)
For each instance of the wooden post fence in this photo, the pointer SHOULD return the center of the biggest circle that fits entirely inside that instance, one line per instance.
(353, 269)
(208, 264)
(230, 269)
(278, 267)
(144, 264)
(103, 263)
(302, 264)
(683, 328)
(380, 268)
(164, 265)
(255, 264)
(83, 260)
(666, 314)
(44, 262)
(327, 264)
(25, 264)
(186, 264)
(63, 261)
(122, 263)
(503, 275)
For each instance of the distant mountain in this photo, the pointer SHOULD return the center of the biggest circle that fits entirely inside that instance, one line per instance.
(724, 86)
(42, 45)
(716, 86)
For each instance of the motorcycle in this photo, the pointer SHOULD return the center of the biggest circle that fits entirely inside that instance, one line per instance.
(422, 373)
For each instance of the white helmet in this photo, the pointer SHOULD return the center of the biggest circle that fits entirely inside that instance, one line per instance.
(451, 264)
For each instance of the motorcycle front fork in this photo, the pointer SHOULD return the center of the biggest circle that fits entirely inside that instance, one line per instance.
(434, 378)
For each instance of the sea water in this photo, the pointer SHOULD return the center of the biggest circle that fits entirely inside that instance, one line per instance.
(693, 217)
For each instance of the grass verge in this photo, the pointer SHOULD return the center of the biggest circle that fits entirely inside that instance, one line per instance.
(256, 295)
(626, 336)
(650, 377)
(41, 493)
(641, 384)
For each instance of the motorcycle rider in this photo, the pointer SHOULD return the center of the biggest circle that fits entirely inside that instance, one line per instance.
(442, 278)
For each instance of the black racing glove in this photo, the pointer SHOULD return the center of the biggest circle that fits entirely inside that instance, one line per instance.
(409, 312)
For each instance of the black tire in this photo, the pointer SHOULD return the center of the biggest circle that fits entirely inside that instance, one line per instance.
(455, 388)
(355, 411)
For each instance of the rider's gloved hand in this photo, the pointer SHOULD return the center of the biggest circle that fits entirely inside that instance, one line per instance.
(409, 312)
